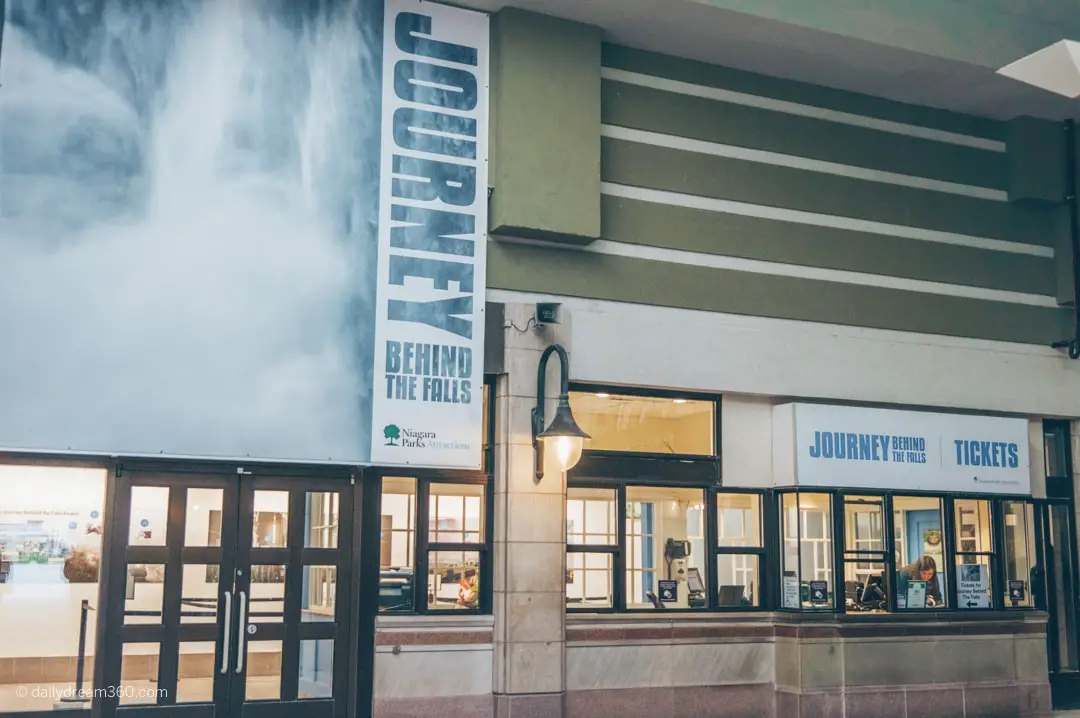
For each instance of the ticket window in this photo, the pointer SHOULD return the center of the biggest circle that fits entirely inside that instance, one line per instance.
(921, 580)
(864, 554)
(807, 581)
(1019, 554)
(739, 550)
(665, 541)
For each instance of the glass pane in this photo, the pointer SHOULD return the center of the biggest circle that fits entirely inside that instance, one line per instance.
(1062, 588)
(645, 424)
(203, 524)
(456, 513)
(665, 543)
(590, 517)
(51, 522)
(973, 526)
(815, 574)
(316, 668)
(195, 673)
(739, 580)
(149, 515)
(145, 597)
(863, 524)
(139, 675)
(320, 593)
(398, 516)
(738, 520)
(588, 580)
(321, 519)
(267, 600)
(1019, 554)
(270, 528)
(199, 594)
(453, 580)
(398, 523)
(864, 587)
(263, 680)
(1055, 444)
(973, 589)
(920, 544)
(789, 522)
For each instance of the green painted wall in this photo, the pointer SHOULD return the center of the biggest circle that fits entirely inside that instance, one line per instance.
(699, 118)
(700, 73)
(578, 273)
(989, 33)
(545, 140)
(695, 230)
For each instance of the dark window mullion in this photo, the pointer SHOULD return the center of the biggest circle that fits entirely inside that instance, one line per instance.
(420, 594)
(997, 563)
(618, 564)
(712, 538)
(948, 509)
(589, 548)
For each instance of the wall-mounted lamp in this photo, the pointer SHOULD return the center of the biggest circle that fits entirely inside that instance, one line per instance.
(563, 432)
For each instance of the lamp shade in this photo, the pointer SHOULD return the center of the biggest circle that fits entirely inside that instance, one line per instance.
(564, 435)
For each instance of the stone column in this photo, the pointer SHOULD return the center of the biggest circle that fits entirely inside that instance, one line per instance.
(530, 537)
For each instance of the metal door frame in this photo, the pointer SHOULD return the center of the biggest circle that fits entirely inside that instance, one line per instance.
(358, 574)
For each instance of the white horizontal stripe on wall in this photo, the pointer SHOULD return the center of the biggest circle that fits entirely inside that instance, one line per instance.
(795, 108)
(684, 349)
(800, 271)
(775, 158)
(746, 209)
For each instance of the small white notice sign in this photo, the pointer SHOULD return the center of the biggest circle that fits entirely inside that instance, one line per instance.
(972, 586)
(792, 599)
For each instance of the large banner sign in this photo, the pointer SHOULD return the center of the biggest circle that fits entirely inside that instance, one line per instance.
(244, 228)
(429, 328)
(853, 447)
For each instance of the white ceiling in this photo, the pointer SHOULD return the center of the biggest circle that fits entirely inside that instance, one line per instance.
(696, 31)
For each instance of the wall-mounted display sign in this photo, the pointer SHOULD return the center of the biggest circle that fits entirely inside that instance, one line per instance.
(853, 447)
(669, 591)
(819, 592)
(298, 274)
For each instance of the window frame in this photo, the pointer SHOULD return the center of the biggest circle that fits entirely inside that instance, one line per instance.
(714, 399)
(423, 546)
(422, 543)
(950, 554)
(619, 550)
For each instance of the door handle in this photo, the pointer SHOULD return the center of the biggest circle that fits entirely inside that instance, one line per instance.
(241, 633)
(227, 634)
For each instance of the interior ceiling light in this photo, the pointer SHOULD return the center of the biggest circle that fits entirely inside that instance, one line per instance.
(603, 396)
(680, 401)
(1055, 68)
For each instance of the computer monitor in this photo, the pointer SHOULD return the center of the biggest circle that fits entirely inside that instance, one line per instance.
(693, 580)
(731, 595)
(874, 590)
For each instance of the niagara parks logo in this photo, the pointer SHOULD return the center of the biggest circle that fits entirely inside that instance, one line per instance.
(414, 439)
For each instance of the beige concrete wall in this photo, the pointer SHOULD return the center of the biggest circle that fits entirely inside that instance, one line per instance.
(428, 665)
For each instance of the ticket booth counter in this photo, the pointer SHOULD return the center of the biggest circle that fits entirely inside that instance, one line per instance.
(885, 511)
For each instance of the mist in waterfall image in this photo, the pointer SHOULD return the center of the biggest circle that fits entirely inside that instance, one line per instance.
(187, 227)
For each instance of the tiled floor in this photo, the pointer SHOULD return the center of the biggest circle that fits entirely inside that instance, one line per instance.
(47, 696)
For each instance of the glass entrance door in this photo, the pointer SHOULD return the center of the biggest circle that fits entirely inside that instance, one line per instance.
(228, 596)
